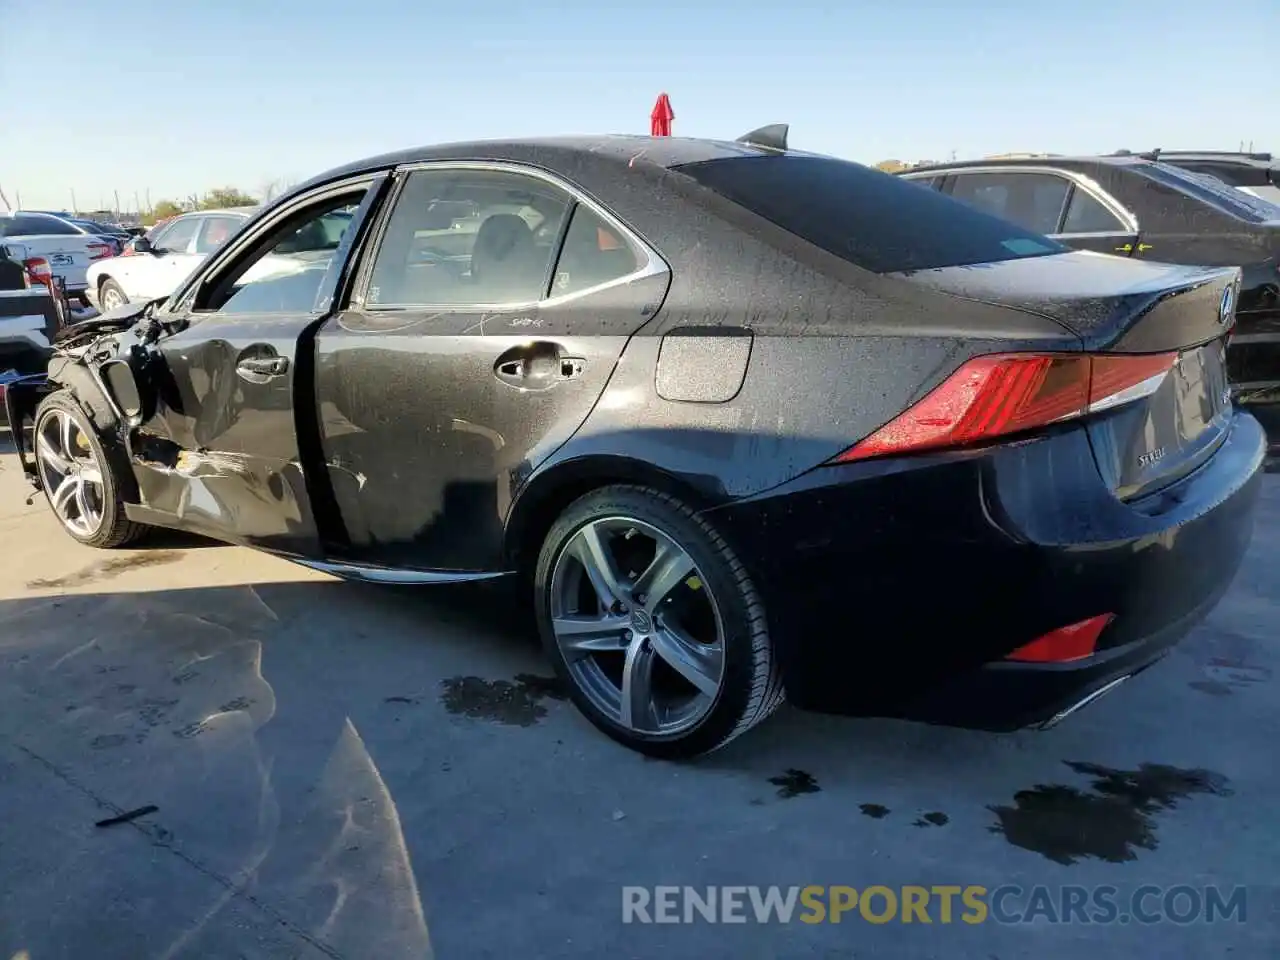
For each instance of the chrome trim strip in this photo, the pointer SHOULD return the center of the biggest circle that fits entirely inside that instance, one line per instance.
(1126, 217)
(653, 264)
(368, 573)
(1139, 390)
(1083, 702)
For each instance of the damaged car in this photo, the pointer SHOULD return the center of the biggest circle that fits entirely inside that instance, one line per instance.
(746, 424)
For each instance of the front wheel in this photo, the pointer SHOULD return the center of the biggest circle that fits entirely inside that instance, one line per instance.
(111, 295)
(78, 477)
(653, 624)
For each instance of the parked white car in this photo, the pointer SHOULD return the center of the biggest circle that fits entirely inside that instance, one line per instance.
(152, 269)
(54, 247)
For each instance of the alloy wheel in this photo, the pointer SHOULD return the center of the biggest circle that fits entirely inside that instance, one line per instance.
(638, 627)
(111, 298)
(70, 473)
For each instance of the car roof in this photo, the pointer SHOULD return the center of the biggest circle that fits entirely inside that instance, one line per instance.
(622, 148)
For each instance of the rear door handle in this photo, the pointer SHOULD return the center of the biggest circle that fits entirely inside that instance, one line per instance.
(263, 366)
(537, 366)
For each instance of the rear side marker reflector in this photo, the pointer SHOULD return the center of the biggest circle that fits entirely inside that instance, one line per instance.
(1064, 644)
(995, 396)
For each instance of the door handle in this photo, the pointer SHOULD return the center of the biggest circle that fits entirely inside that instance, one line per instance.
(537, 366)
(263, 366)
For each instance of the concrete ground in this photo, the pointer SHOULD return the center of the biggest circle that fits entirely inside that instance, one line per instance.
(362, 772)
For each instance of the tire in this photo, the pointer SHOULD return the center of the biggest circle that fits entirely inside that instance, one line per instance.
(110, 287)
(110, 527)
(747, 687)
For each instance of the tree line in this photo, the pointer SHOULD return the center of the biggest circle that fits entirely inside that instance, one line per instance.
(219, 198)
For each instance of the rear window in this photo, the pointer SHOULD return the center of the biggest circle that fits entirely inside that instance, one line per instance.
(875, 220)
(1208, 189)
(34, 225)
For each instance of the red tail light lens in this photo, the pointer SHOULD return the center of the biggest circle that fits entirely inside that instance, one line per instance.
(1003, 394)
(98, 251)
(1065, 644)
(38, 271)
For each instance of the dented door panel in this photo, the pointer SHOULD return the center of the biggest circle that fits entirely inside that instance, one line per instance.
(220, 455)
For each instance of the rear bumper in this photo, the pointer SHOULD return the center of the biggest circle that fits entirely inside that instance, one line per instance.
(897, 588)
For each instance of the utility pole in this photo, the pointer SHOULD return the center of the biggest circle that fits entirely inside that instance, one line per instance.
(137, 207)
(5, 200)
(74, 208)
(116, 194)
(148, 199)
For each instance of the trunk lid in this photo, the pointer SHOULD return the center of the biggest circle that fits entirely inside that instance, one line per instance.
(1120, 307)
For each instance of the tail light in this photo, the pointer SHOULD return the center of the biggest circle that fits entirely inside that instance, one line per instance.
(1065, 644)
(38, 271)
(995, 396)
(99, 251)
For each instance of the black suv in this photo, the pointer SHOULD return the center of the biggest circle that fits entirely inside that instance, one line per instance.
(1135, 206)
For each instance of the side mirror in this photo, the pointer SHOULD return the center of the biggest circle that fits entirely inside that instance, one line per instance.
(142, 245)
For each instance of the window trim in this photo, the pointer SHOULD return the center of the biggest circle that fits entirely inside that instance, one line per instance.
(652, 264)
(1128, 220)
(264, 223)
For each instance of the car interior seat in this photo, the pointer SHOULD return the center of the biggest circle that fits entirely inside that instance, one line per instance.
(504, 260)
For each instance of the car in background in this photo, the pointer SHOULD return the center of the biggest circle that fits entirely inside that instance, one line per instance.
(28, 320)
(737, 422)
(1253, 173)
(55, 248)
(116, 236)
(151, 266)
(1132, 206)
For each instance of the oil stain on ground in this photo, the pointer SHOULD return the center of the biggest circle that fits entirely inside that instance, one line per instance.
(795, 782)
(873, 810)
(106, 569)
(1111, 821)
(932, 819)
(515, 703)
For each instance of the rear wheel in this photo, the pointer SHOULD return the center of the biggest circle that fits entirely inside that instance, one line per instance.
(653, 624)
(77, 476)
(111, 295)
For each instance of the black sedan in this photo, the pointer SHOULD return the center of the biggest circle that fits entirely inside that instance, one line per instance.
(1138, 205)
(744, 422)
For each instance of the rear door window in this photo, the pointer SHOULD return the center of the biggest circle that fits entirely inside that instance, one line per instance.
(215, 233)
(178, 237)
(875, 220)
(1031, 200)
(465, 237)
(1086, 214)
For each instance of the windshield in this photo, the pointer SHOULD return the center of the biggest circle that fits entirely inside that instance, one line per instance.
(875, 220)
(1216, 193)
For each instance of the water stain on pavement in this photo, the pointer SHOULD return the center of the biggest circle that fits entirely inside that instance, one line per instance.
(106, 569)
(1111, 823)
(795, 782)
(1225, 675)
(873, 810)
(934, 818)
(512, 703)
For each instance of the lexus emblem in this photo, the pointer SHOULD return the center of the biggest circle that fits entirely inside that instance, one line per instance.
(1224, 306)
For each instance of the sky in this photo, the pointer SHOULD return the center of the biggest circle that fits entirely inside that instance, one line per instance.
(166, 99)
